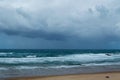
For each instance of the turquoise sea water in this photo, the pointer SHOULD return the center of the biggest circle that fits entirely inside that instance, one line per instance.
(53, 58)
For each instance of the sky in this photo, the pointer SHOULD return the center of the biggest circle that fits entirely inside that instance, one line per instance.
(59, 24)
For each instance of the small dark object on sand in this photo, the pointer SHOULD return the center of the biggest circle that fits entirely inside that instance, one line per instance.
(107, 76)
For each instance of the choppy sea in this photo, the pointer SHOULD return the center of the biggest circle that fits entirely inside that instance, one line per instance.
(55, 58)
(44, 62)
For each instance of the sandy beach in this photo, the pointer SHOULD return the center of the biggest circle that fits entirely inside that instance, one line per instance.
(98, 76)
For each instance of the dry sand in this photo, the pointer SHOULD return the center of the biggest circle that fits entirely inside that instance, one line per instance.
(98, 76)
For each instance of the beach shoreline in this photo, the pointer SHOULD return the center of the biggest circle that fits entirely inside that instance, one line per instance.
(46, 73)
(91, 76)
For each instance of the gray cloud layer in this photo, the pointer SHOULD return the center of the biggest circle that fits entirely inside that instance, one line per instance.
(87, 22)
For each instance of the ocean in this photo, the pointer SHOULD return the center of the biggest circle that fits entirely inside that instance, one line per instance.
(18, 60)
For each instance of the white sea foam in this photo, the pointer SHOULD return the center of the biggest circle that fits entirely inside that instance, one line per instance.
(40, 67)
(102, 64)
(3, 53)
(74, 57)
(27, 67)
(85, 59)
(31, 56)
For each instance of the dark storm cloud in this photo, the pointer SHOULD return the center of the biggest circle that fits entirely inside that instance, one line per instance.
(34, 34)
(89, 23)
(17, 28)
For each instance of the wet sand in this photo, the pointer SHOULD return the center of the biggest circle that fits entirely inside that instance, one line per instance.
(95, 76)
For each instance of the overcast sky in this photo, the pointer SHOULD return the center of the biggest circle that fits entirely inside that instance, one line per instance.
(43, 24)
